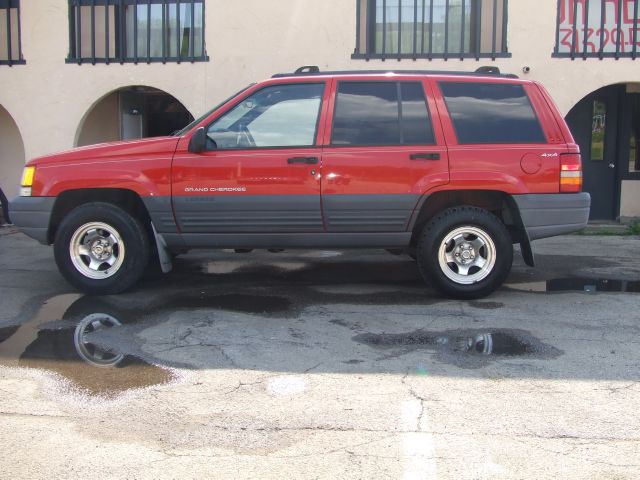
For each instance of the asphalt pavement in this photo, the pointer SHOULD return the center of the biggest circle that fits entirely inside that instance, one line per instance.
(323, 364)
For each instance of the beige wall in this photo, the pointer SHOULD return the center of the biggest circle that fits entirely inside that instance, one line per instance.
(630, 199)
(102, 123)
(247, 41)
(11, 154)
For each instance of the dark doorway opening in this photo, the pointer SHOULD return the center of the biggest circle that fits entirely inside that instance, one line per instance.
(606, 125)
(133, 112)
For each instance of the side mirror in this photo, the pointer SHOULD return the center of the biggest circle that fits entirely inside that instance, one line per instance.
(198, 142)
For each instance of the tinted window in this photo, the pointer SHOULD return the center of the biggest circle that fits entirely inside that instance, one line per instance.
(416, 126)
(491, 113)
(277, 116)
(368, 113)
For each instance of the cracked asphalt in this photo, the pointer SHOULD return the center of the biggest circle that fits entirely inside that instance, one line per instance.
(323, 365)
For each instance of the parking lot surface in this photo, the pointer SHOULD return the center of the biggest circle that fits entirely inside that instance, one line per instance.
(323, 365)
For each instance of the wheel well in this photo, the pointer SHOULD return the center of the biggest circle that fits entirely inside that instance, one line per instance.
(499, 203)
(125, 199)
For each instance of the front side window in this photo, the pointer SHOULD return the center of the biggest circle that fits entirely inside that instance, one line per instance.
(10, 34)
(431, 29)
(486, 113)
(136, 31)
(597, 28)
(276, 116)
(381, 113)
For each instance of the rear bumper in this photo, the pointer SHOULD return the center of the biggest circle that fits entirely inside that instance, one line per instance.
(32, 215)
(548, 215)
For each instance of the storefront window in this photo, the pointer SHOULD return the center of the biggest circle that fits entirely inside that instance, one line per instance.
(597, 130)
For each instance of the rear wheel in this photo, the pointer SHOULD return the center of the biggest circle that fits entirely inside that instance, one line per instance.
(465, 252)
(101, 249)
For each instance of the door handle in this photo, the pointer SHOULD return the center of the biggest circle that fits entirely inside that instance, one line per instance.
(305, 160)
(425, 156)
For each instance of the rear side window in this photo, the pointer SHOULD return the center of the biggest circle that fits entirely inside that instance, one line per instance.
(381, 113)
(491, 113)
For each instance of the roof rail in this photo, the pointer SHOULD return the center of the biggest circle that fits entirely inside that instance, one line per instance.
(311, 70)
(488, 70)
(307, 69)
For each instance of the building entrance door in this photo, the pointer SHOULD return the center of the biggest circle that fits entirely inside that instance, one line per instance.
(594, 123)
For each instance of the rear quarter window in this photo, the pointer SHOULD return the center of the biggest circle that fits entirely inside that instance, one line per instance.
(485, 113)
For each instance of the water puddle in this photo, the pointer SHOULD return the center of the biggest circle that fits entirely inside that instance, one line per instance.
(467, 344)
(579, 284)
(67, 351)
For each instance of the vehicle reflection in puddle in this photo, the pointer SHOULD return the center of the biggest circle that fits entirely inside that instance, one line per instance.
(66, 351)
(486, 343)
(579, 284)
(463, 343)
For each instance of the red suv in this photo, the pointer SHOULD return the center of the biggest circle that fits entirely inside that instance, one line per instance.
(453, 168)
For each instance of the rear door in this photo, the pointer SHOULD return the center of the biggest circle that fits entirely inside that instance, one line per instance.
(382, 153)
(261, 170)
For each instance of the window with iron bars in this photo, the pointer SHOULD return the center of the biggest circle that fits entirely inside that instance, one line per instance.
(136, 31)
(10, 33)
(412, 29)
(597, 29)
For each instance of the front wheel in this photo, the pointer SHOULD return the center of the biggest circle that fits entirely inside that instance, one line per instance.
(465, 252)
(101, 249)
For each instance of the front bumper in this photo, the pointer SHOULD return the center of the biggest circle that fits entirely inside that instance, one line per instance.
(548, 215)
(32, 216)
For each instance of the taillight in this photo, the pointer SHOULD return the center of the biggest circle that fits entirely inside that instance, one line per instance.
(570, 173)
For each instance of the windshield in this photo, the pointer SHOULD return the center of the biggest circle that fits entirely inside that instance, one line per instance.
(181, 132)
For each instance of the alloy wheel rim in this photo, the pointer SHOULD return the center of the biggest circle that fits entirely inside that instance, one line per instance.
(467, 255)
(97, 250)
(90, 353)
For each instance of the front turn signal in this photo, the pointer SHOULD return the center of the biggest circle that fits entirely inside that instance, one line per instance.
(28, 175)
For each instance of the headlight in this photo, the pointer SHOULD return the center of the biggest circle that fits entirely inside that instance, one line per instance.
(27, 181)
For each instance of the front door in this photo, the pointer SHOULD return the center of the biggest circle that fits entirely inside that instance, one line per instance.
(594, 124)
(261, 170)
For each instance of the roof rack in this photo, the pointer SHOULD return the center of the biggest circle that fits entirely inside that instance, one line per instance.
(311, 70)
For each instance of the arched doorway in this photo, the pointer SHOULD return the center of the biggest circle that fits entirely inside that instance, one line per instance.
(12, 155)
(132, 112)
(606, 125)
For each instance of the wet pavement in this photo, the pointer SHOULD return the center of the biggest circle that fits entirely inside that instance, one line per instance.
(323, 365)
(64, 349)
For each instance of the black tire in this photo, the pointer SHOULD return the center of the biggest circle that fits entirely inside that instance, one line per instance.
(487, 266)
(131, 251)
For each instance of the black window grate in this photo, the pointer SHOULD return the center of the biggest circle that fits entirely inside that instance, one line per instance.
(11, 36)
(136, 31)
(597, 29)
(447, 29)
